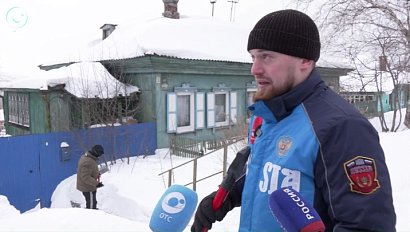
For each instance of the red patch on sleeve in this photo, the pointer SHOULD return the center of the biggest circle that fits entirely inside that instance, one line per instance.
(362, 175)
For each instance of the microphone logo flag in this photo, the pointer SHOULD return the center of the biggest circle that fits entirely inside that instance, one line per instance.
(173, 203)
(174, 209)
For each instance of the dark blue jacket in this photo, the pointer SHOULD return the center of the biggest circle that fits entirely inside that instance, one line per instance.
(316, 142)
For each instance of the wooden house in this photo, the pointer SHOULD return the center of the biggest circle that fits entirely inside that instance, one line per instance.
(193, 76)
(197, 99)
(77, 96)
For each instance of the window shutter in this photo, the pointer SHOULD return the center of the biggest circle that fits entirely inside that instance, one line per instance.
(233, 107)
(171, 112)
(200, 110)
(210, 106)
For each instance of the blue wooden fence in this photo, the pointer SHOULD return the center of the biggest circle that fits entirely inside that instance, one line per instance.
(31, 166)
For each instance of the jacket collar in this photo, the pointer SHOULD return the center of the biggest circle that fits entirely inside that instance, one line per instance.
(281, 106)
(89, 154)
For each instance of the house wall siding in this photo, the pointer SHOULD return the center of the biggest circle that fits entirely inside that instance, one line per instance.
(203, 83)
(37, 113)
(60, 115)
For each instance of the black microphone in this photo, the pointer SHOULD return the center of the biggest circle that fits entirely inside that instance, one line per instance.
(293, 212)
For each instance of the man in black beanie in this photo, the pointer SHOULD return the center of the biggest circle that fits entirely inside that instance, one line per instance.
(88, 175)
(306, 137)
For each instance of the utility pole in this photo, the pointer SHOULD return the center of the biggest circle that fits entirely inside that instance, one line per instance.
(233, 6)
(213, 3)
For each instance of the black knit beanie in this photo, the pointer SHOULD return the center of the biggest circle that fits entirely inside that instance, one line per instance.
(288, 32)
(97, 150)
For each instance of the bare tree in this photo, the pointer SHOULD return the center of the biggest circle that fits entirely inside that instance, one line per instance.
(100, 100)
(365, 30)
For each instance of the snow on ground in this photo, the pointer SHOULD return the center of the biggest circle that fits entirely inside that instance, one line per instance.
(132, 190)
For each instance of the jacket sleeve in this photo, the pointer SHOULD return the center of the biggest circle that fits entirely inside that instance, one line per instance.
(352, 179)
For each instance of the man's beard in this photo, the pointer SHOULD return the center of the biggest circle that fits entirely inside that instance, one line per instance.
(266, 95)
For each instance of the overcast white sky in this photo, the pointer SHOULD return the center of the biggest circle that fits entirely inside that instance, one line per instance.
(32, 30)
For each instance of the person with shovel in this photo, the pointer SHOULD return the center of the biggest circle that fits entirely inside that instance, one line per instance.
(88, 175)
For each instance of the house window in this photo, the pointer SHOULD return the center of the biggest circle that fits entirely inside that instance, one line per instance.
(221, 107)
(19, 109)
(185, 110)
(184, 106)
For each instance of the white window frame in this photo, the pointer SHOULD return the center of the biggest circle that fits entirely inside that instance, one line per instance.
(226, 110)
(171, 112)
(196, 109)
(210, 107)
(200, 110)
(233, 107)
(231, 102)
(191, 126)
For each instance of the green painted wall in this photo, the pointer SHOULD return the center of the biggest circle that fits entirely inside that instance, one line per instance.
(385, 103)
(38, 114)
(49, 111)
(146, 84)
(60, 115)
(156, 75)
(38, 124)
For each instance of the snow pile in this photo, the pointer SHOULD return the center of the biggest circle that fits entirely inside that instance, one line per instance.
(7, 210)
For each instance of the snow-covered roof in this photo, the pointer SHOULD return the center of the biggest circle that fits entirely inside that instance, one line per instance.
(188, 37)
(84, 80)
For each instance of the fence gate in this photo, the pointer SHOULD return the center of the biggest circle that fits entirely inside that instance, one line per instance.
(31, 166)
(20, 167)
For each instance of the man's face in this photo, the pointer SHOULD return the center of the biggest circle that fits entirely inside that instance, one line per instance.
(275, 73)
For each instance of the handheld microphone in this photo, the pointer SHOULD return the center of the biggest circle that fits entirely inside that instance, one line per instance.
(293, 212)
(174, 209)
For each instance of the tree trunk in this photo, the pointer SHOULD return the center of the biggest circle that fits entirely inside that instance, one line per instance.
(407, 117)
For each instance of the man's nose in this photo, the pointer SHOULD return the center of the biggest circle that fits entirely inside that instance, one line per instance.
(256, 68)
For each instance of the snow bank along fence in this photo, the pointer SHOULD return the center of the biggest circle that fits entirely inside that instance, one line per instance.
(33, 165)
(197, 150)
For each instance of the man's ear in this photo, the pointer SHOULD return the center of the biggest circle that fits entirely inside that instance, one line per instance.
(307, 64)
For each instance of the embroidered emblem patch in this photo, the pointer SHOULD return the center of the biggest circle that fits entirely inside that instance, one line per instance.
(284, 144)
(362, 174)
